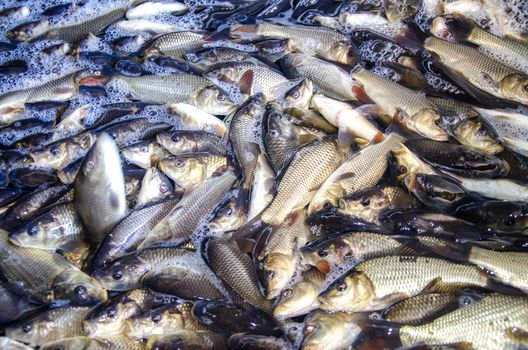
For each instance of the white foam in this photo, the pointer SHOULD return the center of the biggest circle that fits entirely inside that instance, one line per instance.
(379, 51)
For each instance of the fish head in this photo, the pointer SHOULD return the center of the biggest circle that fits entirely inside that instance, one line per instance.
(53, 155)
(298, 300)
(139, 154)
(177, 142)
(364, 204)
(103, 153)
(156, 184)
(326, 198)
(428, 123)
(185, 171)
(352, 293)
(322, 331)
(434, 188)
(161, 320)
(78, 289)
(343, 52)
(299, 96)
(515, 87)
(28, 31)
(44, 232)
(275, 271)
(33, 331)
(93, 77)
(213, 100)
(123, 274)
(228, 217)
(475, 133)
(408, 163)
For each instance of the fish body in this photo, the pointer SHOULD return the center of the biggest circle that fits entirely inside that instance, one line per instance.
(184, 141)
(154, 188)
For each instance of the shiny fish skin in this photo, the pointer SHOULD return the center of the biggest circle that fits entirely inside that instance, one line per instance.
(185, 141)
(174, 44)
(113, 342)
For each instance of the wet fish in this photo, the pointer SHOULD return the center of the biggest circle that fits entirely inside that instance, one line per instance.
(380, 282)
(49, 326)
(189, 171)
(184, 339)
(328, 79)
(175, 44)
(131, 131)
(500, 215)
(241, 341)
(100, 189)
(351, 175)
(46, 277)
(186, 217)
(262, 187)
(73, 123)
(227, 217)
(310, 119)
(15, 307)
(153, 8)
(111, 342)
(309, 40)
(185, 141)
(12, 344)
(144, 154)
(200, 119)
(331, 330)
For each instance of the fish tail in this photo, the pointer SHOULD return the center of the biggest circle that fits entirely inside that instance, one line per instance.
(410, 37)
(250, 230)
(216, 36)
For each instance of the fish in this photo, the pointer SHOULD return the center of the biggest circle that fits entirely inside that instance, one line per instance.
(154, 187)
(8, 343)
(368, 204)
(325, 42)
(201, 119)
(499, 215)
(242, 140)
(16, 12)
(161, 320)
(131, 131)
(15, 307)
(175, 44)
(111, 342)
(240, 341)
(300, 298)
(425, 308)
(153, 8)
(348, 121)
(350, 176)
(192, 89)
(46, 277)
(13, 132)
(377, 283)
(277, 262)
(327, 78)
(282, 138)
(73, 123)
(189, 171)
(190, 141)
(350, 248)
(412, 108)
(28, 205)
(480, 315)
(262, 187)
(125, 272)
(61, 153)
(109, 318)
(100, 189)
(458, 159)
(30, 178)
(227, 217)
(509, 127)
(183, 339)
(186, 217)
(310, 119)
(219, 315)
(189, 280)
(478, 73)
(58, 229)
(144, 154)
(299, 96)
(131, 231)
(507, 50)
(235, 269)
(49, 326)
(324, 330)
(141, 25)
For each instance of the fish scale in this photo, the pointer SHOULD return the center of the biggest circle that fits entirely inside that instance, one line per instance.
(297, 186)
(484, 325)
(176, 44)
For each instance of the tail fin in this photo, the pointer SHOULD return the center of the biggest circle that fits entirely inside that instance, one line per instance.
(244, 32)
(460, 27)
(378, 334)
(250, 230)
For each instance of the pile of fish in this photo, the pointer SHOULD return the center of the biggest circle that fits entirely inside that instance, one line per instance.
(279, 174)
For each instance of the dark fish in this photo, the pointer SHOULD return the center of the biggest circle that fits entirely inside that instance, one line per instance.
(498, 215)
(224, 317)
(9, 195)
(130, 131)
(23, 128)
(13, 67)
(14, 306)
(27, 178)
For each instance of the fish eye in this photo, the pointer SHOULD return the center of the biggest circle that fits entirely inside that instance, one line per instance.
(80, 290)
(26, 328)
(322, 252)
(402, 169)
(143, 149)
(341, 287)
(296, 94)
(365, 202)
(82, 121)
(525, 88)
(327, 205)
(270, 274)
(163, 188)
(156, 318)
(111, 313)
(55, 151)
(287, 293)
(341, 204)
(117, 275)
(437, 122)
(309, 329)
(33, 230)
(176, 138)
(229, 212)
(220, 97)
(509, 222)
(180, 163)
